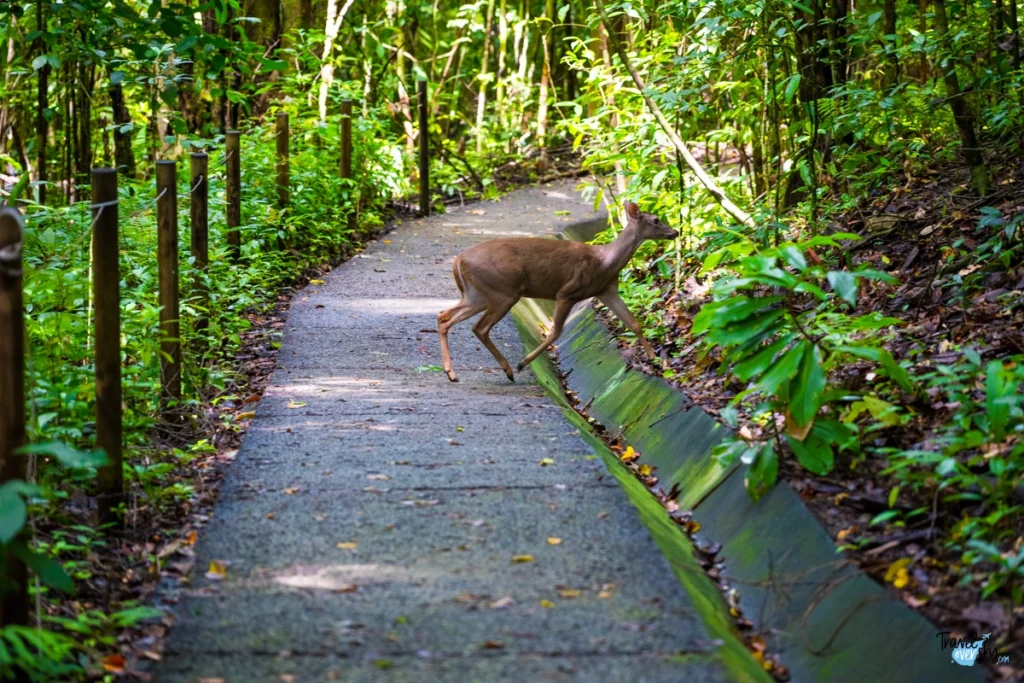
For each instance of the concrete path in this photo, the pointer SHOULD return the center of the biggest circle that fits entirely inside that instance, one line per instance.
(375, 513)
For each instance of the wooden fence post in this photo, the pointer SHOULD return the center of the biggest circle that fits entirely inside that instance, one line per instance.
(106, 294)
(424, 150)
(167, 266)
(199, 211)
(345, 165)
(283, 172)
(14, 605)
(233, 191)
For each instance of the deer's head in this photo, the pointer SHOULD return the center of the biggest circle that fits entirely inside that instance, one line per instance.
(648, 226)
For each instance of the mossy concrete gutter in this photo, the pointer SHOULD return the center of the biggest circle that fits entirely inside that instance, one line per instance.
(826, 620)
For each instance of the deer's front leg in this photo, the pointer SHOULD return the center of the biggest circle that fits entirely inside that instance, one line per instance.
(616, 305)
(562, 308)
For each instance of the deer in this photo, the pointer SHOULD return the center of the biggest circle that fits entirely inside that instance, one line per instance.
(494, 275)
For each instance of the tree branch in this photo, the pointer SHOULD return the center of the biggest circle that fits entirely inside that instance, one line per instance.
(705, 180)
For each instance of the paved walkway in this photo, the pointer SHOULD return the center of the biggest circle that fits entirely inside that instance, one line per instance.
(375, 513)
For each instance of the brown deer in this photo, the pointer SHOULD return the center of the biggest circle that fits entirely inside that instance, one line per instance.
(494, 275)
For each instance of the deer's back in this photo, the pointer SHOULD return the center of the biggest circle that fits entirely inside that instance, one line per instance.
(533, 267)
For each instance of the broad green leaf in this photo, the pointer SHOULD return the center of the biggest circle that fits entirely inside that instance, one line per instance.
(749, 328)
(814, 454)
(761, 475)
(48, 570)
(721, 313)
(782, 370)
(759, 362)
(807, 386)
(66, 455)
(791, 87)
(13, 513)
(844, 284)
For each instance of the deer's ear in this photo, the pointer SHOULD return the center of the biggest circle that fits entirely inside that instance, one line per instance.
(632, 210)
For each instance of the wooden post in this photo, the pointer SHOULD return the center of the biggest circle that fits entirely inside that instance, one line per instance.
(234, 194)
(199, 210)
(106, 294)
(282, 160)
(424, 150)
(167, 266)
(14, 604)
(346, 138)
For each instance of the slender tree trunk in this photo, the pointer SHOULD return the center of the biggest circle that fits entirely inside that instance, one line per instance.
(481, 101)
(499, 91)
(961, 110)
(42, 104)
(545, 80)
(892, 70)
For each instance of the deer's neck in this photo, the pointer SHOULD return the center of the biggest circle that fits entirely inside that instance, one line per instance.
(617, 254)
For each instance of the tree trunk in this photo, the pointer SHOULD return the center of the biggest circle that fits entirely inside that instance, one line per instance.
(892, 69)
(124, 157)
(481, 102)
(961, 110)
(42, 104)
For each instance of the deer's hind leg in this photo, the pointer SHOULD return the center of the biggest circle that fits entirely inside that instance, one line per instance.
(466, 308)
(482, 329)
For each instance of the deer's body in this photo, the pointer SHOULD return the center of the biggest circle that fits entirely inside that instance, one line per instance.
(494, 275)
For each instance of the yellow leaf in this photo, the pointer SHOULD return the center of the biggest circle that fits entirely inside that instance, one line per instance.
(348, 545)
(296, 404)
(902, 578)
(895, 568)
(248, 415)
(604, 595)
(218, 570)
(547, 603)
(522, 558)
(317, 282)
(840, 498)
(569, 593)
(544, 462)
(191, 540)
(645, 470)
(629, 455)
(292, 490)
(554, 540)
(386, 241)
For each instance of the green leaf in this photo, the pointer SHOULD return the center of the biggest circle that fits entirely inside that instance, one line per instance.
(893, 369)
(997, 389)
(721, 313)
(791, 87)
(751, 328)
(66, 455)
(844, 284)
(761, 361)
(763, 473)
(13, 512)
(814, 454)
(806, 388)
(782, 370)
(48, 570)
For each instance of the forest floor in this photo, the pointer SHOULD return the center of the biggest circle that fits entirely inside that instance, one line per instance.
(954, 303)
(379, 522)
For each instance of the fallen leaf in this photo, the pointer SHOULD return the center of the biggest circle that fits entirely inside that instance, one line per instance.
(544, 462)
(502, 602)
(629, 455)
(348, 545)
(292, 490)
(317, 282)
(547, 603)
(345, 588)
(378, 477)
(270, 515)
(477, 212)
(554, 540)
(218, 570)
(191, 538)
(522, 558)
(248, 415)
(492, 645)
(645, 470)
(296, 404)
(602, 514)
(569, 593)
(114, 663)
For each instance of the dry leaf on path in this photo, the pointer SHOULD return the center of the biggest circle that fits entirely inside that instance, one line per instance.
(522, 558)
(218, 570)
(554, 540)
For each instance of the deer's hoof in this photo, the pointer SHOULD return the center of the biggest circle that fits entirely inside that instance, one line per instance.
(519, 368)
(451, 376)
(511, 377)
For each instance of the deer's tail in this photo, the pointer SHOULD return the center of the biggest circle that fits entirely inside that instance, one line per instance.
(457, 274)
